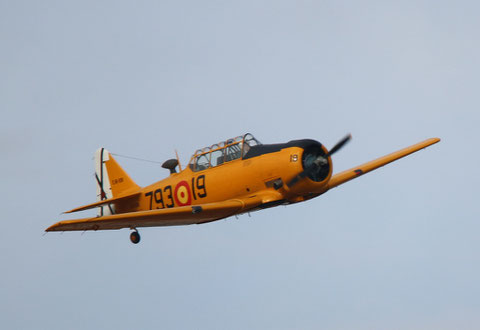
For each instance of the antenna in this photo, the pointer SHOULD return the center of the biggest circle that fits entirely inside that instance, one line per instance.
(179, 165)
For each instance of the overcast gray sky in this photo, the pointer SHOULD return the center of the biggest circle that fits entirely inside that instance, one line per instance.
(395, 249)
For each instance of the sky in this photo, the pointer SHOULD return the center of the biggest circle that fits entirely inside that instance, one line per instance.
(394, 249)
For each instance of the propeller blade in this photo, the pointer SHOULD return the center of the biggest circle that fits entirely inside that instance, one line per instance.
(302, 174)
(297, 178)
(339, 145)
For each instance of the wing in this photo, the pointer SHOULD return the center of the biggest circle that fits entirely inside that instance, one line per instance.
(355, 172)
(185, 215)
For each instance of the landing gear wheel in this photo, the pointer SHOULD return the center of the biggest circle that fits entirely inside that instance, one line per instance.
(135, 237)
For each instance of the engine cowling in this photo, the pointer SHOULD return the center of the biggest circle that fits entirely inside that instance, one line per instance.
(311, 154)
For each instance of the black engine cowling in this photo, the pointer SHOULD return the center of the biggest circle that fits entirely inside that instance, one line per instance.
(310, 155)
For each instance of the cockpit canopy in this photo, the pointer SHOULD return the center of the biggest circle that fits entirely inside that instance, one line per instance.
(222, 152)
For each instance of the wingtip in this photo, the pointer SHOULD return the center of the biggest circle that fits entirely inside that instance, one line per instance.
(53, 227)
(434, 140)
(430, 141)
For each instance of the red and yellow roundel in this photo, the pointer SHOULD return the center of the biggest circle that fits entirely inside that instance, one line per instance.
(182, 194)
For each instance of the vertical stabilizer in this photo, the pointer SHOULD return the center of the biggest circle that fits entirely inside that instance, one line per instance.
(112, 180)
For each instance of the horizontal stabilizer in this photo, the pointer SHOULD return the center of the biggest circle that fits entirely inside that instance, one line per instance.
(104, 202)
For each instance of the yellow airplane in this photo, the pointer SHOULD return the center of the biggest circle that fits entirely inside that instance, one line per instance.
(232, 177)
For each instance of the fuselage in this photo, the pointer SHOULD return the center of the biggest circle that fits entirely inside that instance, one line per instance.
(262, 170)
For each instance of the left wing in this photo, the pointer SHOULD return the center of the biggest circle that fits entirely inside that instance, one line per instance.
(184, 215)
(355, 172)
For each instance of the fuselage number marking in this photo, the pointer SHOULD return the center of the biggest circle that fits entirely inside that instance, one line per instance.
(181, 195)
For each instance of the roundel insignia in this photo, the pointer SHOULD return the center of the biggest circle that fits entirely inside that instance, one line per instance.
(182, 194)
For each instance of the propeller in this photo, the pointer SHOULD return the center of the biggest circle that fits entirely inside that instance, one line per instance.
(339, 145)
(319, 161)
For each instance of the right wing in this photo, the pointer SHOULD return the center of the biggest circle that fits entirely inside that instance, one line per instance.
(355, 172)
(184, 215)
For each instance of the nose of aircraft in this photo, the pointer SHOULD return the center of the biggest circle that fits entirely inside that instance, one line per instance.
(316, 161)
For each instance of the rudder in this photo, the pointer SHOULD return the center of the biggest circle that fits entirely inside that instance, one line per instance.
(112, 180)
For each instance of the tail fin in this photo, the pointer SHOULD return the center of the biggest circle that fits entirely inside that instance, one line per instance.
(112, 180)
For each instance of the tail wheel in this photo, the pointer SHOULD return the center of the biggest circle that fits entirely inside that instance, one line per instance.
(135, 237)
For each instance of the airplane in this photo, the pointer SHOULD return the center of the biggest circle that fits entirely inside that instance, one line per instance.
(233, 177)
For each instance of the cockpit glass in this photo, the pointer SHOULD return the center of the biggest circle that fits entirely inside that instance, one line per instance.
(249, 141)
(222, 152)
(218, 157)
(203, 162)
(233, 151)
